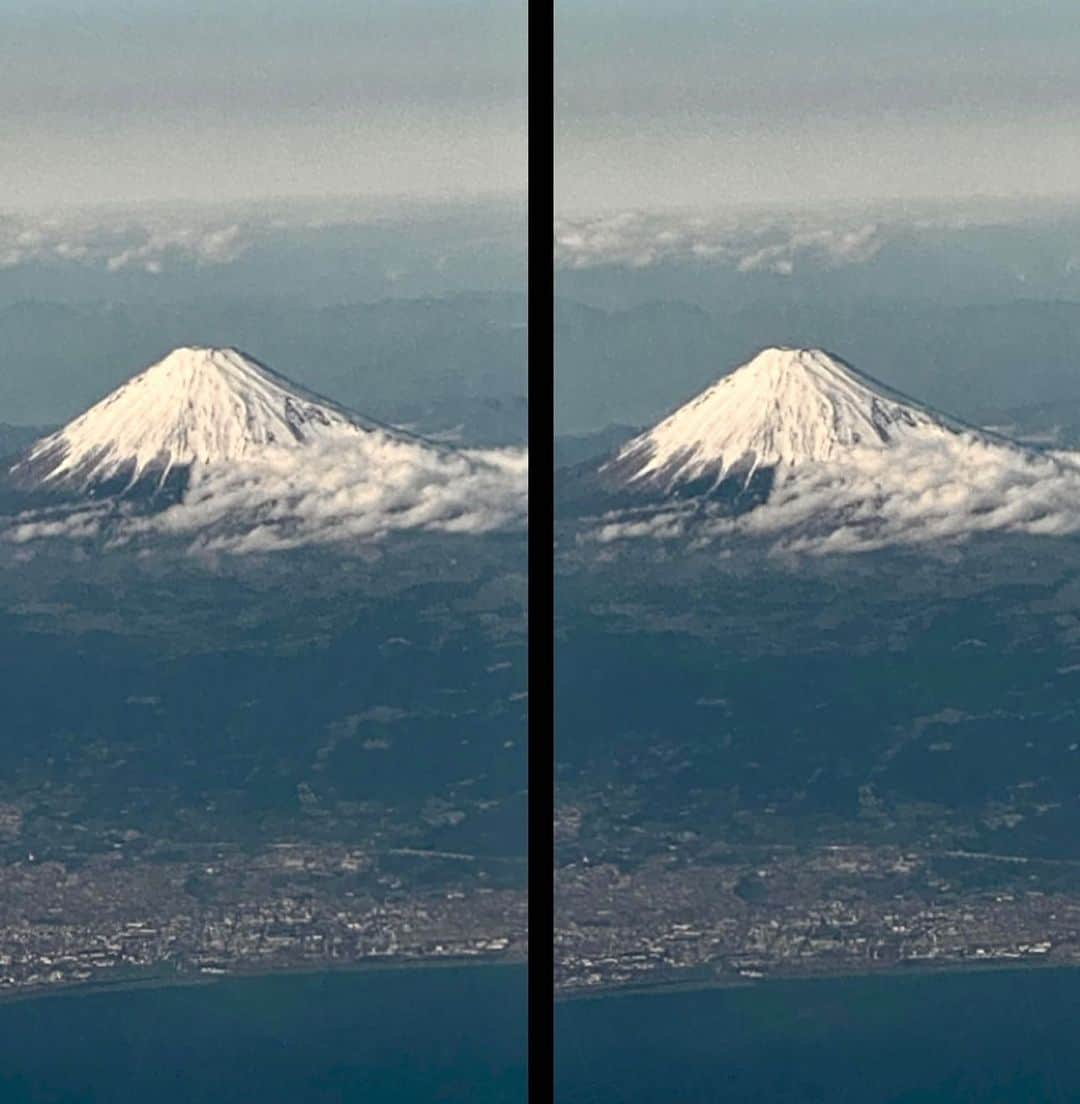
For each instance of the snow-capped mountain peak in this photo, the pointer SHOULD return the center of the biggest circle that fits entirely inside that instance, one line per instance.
(784, 408)
(799, 448)
(210, 446)
(196, 406)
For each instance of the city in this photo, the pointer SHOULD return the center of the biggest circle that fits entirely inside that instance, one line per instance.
(107, 920)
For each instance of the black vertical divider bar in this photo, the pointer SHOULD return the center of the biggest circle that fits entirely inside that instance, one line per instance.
(541, 304)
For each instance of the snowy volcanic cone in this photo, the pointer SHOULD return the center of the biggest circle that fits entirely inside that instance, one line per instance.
(228, 451)
(198, 406)
(783, 409)
(799, 446)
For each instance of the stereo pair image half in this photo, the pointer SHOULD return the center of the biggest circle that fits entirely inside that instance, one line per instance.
(266, 688)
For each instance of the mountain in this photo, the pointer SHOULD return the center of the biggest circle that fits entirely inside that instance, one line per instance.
(784, 408)
(818, 451)
(210, 443)
(202, 406)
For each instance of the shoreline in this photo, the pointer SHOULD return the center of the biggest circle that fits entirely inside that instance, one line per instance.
(691, 985)
(196, 979)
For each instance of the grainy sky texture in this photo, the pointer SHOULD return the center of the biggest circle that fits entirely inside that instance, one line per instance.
(706, 103)
(208, 100)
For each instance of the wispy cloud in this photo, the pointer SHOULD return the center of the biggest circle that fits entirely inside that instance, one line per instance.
(77, 524)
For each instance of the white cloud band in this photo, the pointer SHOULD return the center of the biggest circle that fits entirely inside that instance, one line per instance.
(879, 499)
(290, 498)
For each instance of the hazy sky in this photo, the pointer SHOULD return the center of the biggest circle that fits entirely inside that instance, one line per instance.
(134, 100)
(688, 103)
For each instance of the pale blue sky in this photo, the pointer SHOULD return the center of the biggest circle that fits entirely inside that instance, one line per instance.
(122, 100)
(735, 101)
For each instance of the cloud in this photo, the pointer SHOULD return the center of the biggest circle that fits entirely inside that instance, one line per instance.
(828, 247)
(157, 239)
(202, 246)
(291, 498)
(748, 243)
(940, 493)
(661, 525)
(146, 242)
(770, 240)
(78, 525)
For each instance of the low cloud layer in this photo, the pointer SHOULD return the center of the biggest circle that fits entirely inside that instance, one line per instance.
(159, 239)
(290, 498)
(877, 499)
(117, 242)
(781, 243)
(749, 244)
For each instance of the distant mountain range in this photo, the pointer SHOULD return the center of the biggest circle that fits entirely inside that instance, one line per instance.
(15, 438)
(627, 365)
(385, 358)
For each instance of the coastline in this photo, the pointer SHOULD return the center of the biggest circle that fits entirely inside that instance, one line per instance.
(154, 981)
(701, 984)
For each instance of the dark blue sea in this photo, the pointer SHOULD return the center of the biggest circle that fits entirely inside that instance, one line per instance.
(1002, 1037)
(411, 1036)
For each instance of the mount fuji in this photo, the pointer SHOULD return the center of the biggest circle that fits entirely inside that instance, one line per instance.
(196, 407)
(211, 444)
(801, 447)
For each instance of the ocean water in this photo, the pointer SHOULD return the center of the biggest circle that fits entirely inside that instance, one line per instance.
(411, 1036)
(999, 1037)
